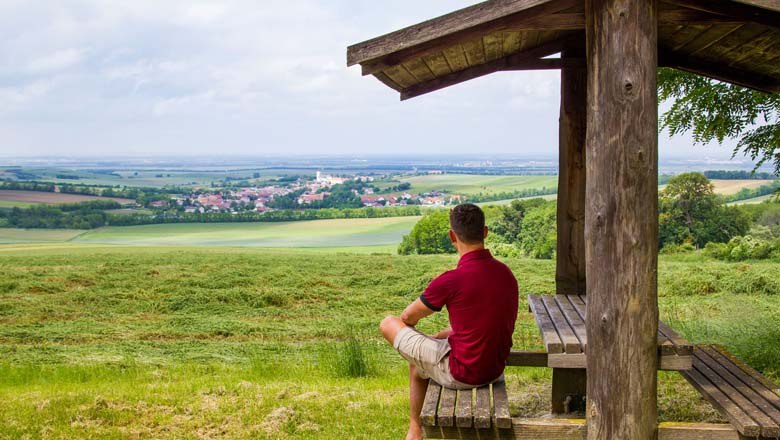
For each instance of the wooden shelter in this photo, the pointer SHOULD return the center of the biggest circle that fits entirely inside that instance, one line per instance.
(608, 222)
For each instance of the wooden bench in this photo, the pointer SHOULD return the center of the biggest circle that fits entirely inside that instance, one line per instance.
(748, 400)
(483, 409)
(561, 320)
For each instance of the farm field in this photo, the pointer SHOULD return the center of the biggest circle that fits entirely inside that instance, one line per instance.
(760, 199)
(128, 342)
(475, 184)
(50, 198)
(727, 187)
(382, 232)
(13, 235)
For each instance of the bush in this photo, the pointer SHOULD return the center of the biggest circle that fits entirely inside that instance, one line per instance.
(743, 248)
(678, 248)
(429, 236)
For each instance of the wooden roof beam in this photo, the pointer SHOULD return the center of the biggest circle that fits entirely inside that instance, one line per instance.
(526, 60)
(446, 31)
(744, 10)
(740, 77)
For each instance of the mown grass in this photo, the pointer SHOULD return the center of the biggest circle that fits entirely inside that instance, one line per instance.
(164, 342)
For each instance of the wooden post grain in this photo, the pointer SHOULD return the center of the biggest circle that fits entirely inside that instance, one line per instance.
(621, 219)
(570, 258)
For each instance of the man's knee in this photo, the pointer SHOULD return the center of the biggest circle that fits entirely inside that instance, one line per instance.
(390, 327)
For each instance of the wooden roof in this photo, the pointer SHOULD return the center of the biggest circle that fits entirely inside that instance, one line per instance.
(737, 41)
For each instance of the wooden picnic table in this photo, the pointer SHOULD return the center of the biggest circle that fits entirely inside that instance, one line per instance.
(561, 320)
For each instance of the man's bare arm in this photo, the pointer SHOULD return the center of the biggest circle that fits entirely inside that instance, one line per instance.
(414, 312)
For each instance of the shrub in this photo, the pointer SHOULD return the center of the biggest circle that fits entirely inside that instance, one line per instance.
(743, 248)
(429, 235)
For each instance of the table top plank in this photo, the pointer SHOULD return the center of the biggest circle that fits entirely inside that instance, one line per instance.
(574, 318)
(549, 335)
(562, 322)
(570, 341)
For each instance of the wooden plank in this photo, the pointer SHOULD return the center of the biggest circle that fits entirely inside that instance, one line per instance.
(685, 35)
(755, 375)
(482, 411)
(400, 76)
(730, 42)
(567, 360)
(733, 9)
(755, 398)
(574, 319)
(665, 346)
(728, 409)
(475, 52)
(575, 429)
(570, 342)
(438, 64)
(456, 57)
(430, 404)
(550, 337)
(675, 363)
(621, 218)
(441, 32)
(419, 70)
(446, 414)
(501, 416)
(681, 345)
(386, 80)
(511, 42)
(463, 414)
(717, 71)
(494, 46)
(527, 359)
(710, 37)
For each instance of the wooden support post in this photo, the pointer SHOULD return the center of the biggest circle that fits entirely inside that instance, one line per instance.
(569, 385)
(570, 263)
(621, 219)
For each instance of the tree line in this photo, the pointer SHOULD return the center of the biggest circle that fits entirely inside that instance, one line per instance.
(691, 216)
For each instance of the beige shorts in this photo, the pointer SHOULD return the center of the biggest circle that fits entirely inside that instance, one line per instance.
(429, 355)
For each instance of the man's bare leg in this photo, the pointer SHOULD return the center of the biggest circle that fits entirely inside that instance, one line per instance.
(417, 389)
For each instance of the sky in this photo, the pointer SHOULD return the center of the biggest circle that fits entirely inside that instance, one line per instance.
(235, 77)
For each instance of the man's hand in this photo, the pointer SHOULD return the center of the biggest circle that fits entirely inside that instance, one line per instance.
(444, 334)
(414, 312)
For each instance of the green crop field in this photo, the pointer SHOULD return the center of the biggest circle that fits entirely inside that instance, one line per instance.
(384, 233)
(166, 342)
(13, 235)
(475, 184)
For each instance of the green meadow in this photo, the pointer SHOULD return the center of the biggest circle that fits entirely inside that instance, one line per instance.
(475, 184)
(13, 235)
(116, 341)
(364, 232)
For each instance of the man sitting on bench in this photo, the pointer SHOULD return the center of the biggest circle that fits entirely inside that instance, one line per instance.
(481, 298)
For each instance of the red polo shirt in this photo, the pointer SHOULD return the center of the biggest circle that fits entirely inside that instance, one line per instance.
(481, 298)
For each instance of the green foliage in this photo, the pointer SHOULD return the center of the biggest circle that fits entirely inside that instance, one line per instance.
(429, 236)
(714, 111)
(524, 227)
(351, 359)
(690, 211)
(538, 234)
(744, 248)
(84, 215)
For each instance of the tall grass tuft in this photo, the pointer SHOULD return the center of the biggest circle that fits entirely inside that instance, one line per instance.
(352, 359)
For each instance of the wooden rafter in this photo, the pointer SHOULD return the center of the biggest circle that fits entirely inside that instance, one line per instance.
(766, 13)
(451, 29)
(529, 59)
(720, 72)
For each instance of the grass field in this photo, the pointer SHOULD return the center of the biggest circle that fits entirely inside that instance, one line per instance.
(13, 235)
(50, 198)
(164, 342)
(384, 233)
(15, 204)
(475, 184)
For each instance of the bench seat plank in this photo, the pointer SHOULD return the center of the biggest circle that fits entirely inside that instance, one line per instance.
(552, 340)
(463, 415)
(446, 415)
(571, 345)
(482, 408)
(466, 410)
(741, 395)
(430, 404)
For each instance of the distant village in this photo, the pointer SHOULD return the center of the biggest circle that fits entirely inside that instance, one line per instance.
(261, 199)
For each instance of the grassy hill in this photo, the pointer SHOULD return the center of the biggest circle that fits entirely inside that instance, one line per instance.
(190, 342)
(475, 184)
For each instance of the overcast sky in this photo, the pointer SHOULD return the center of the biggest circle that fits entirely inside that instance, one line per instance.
(168, 77)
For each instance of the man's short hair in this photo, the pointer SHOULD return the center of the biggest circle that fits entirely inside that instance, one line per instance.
(468, 222)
